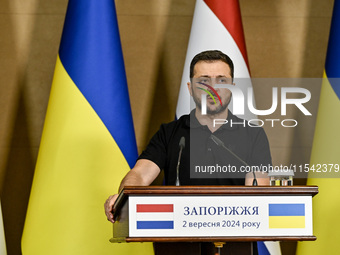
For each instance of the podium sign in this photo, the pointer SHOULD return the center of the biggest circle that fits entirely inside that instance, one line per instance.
(258, 213)
(220, 216)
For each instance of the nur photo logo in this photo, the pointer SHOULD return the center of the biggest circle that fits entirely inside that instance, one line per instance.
(281, 97)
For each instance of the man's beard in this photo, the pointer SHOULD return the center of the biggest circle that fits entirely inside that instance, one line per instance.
(219, 109)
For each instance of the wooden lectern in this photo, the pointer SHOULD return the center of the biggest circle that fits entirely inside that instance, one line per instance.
(214, 214)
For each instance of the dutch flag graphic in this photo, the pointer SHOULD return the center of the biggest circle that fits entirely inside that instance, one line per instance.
(155, 216)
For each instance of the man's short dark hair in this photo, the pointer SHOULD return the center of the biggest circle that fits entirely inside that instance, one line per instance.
(211, 56)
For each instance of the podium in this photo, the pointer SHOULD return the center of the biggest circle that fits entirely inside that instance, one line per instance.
(214, 214)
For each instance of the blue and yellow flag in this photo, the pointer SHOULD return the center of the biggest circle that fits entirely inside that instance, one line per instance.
(286, 215)
(326, 150)
(88, 142)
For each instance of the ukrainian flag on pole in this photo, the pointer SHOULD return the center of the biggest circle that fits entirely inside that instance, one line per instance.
(88, 142)
(326, 150)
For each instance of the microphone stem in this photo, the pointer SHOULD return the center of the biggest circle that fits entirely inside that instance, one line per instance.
(177, 168)
(219, 142)
(254, 180)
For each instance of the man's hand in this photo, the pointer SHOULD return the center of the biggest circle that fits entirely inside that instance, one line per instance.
(143, 174)
(261, 177)
(108, 206)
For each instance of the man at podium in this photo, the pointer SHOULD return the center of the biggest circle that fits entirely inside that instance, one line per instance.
(209, 146)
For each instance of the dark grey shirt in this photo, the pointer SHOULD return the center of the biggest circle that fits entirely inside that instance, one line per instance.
(202, 155)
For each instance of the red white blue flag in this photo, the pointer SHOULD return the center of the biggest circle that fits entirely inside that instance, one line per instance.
(155, 216)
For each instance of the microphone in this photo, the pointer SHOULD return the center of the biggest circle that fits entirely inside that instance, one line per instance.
(181, 147)
(220, 143)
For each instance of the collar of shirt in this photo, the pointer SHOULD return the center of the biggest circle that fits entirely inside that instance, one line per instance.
(232, 121)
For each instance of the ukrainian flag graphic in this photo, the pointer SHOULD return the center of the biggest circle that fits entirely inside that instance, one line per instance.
(88, 142)
(286, 215)
(326, 150)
